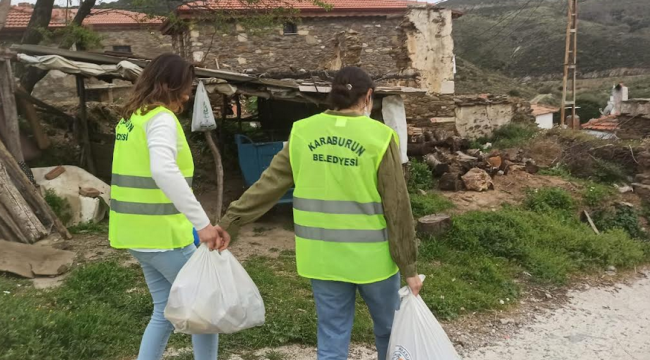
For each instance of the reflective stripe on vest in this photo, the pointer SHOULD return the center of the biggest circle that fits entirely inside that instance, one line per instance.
(138, 182)
(338, 207)
(142, 216)
(341, 235)
(339, 219)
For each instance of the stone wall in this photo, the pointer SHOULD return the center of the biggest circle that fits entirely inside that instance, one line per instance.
(471, 117)
(147, 43)
(413, 49)
(320, 44)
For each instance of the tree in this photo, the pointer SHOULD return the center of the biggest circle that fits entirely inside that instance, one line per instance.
(5, 5)
(39, 21)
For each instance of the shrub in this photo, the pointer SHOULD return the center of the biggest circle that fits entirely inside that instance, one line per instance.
(596, 194)
(420, 177)
(549, 199)
(510, 135)
(59, 205)
(622, 217)
(547, 248)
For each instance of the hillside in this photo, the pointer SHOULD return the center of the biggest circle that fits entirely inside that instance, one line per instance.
(527, 37)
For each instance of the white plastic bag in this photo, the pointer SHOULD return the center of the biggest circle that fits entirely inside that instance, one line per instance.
(416, 334)
(202, 116)
(213, 294)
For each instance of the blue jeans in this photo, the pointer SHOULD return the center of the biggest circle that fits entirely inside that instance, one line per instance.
(335, 302)
(160, 270)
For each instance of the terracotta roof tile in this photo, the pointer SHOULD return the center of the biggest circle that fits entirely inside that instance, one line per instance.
(19, 16)
(605, 123)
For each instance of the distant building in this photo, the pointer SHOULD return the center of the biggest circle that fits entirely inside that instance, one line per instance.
(124, 32)
(544, 115)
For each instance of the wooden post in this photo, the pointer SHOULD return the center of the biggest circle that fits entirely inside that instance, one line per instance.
(222, 128)
(9, 130)
(31, 193)
(29, 111)
(19, 223)
(238, 104)
(219, 169)
(87, 157)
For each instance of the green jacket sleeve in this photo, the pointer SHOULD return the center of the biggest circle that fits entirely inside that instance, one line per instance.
(275, 181)
(397, 210)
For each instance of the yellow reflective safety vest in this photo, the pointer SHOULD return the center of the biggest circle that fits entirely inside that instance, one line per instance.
(141, 215)
(339, 218)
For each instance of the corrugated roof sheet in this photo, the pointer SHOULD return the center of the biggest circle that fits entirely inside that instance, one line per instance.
(19, 16)
(543, 109)
(605, 123)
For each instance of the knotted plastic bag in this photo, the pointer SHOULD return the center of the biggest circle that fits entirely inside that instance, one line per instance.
(213, 294)
(202, 116)
(416, 334)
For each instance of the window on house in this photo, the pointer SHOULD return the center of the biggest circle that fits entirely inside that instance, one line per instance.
(290, 28)
(122, 48)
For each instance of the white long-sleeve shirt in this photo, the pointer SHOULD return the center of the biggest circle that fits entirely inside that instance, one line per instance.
(164, 144)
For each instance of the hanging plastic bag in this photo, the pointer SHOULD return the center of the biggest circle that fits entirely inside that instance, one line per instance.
(213, 294)
(416, 334)
(202, 116)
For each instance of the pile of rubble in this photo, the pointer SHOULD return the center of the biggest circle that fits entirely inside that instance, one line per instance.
(458, 167)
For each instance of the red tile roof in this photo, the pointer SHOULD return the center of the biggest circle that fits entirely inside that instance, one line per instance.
(543, 109)
(606, 123)
(19, 16)
(306, 7)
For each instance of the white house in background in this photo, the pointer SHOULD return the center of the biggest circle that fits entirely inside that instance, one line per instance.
(544, 115)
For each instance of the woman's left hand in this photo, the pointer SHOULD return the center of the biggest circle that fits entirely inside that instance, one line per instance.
(225, 237)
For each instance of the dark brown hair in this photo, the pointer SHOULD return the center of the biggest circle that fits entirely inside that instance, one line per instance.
(163, 82)
(350, 85)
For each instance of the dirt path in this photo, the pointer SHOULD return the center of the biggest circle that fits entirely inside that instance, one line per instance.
(600, 323)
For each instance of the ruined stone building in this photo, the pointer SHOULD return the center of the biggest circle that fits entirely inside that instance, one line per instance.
(124, 32)
(397, 43)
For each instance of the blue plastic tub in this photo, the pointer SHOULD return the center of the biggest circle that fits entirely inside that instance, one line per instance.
(254, 158)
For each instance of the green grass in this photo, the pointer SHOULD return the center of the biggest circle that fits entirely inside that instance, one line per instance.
(59, 205)
(102, 308)
(428, 204)
(90, 228)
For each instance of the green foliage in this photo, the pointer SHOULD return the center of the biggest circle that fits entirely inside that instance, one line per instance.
(420, 177)
(431, 203)
(514, 93)
(560, 170)
(510, 135)
(549, 199)
(621, 217)
(595, 195)
(92, 316)
(608, 172)
(90, 227)
(547, 248)
(72, 34)
(59, 205)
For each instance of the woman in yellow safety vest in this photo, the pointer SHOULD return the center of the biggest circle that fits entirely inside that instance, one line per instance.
(352, 215)
(153, 208)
